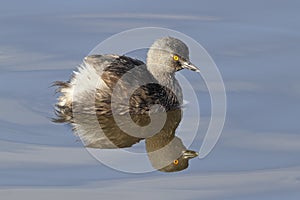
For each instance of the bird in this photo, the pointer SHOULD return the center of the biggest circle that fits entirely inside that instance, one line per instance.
(109, 87)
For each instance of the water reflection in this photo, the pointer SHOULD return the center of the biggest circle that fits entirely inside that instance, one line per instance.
(165, 151)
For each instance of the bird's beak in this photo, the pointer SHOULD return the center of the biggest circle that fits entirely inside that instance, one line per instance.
(190, 66)
(188, 154)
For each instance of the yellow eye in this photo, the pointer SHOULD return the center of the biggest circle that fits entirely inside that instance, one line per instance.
(175, 162)
(175, 57)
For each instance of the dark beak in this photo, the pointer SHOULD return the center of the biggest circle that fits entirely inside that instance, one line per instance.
(190, 66)
(188, 154)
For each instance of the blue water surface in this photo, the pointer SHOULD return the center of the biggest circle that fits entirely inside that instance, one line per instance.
(255, 44)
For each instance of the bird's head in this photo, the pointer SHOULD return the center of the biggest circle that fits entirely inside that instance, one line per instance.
(180, 163)
(168, 155)
(168, 55)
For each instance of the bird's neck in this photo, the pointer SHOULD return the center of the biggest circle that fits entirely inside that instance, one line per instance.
(168, 80)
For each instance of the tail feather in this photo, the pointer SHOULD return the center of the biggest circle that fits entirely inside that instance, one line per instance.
(63, 107)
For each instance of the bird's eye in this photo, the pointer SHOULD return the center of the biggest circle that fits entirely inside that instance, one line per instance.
(175, 162)
(175, 57)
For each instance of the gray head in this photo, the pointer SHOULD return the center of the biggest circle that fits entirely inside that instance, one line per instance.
(180, 163)
(168, 55)
(169, 158)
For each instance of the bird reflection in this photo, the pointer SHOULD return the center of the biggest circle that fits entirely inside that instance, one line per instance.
(165, 151)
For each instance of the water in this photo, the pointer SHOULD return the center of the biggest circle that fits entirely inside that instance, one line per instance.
(254, 44)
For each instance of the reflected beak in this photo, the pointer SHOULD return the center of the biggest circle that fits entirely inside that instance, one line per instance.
(190, 66)
(188, 154)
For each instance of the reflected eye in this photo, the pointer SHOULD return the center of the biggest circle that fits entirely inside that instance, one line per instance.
(175, 162)
(175, 57)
